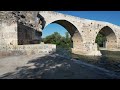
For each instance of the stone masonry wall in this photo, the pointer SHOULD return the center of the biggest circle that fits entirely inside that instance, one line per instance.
(19, 34)
(27, 49)
(88, 30)
(27, 35)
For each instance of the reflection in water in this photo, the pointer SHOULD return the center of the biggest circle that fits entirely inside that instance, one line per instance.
(109, 60)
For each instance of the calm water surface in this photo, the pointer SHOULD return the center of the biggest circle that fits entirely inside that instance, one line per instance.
(109, 60)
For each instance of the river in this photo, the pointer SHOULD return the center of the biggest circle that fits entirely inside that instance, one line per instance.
(109, 60)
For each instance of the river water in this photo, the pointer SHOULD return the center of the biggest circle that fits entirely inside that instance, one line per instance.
(109, 60)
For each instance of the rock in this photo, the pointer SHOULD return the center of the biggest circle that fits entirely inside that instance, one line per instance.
(25, 17)
(32, 67)
(95, 53)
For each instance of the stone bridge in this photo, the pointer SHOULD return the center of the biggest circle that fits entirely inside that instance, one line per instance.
(84, 32)
(23, 29)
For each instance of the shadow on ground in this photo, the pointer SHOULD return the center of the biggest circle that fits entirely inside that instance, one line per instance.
(54, 67)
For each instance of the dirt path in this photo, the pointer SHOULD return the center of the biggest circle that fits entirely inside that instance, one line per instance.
(9, 64)
(48, 67)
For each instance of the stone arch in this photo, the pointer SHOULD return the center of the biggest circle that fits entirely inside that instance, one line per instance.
(111, 39)
(73, 31)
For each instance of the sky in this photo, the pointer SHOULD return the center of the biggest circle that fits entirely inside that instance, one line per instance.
(108, 16)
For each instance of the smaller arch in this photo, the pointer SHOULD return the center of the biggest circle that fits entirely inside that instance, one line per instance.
(108, 38)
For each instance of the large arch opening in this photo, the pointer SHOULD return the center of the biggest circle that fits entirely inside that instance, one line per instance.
(76, 38)
(106, 39)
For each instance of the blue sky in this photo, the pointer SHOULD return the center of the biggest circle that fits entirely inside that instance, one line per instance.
(108, 16)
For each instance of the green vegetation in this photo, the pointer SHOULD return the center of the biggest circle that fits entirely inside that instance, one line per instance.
(100, 40)
(66, 42)
(60, 41)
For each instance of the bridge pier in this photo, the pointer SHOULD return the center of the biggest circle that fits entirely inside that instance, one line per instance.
(87, 49)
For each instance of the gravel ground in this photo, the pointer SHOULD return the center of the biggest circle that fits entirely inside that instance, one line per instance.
(48, 67)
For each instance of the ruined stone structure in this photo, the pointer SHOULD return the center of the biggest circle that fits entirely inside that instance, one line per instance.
(19, 32)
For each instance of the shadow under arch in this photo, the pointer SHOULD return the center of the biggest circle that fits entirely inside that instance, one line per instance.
(73, 31)
(110, 42)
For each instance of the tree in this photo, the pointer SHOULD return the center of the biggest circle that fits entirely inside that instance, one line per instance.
(68, 39)
(100, 40)
(59, 40)
(53, 39)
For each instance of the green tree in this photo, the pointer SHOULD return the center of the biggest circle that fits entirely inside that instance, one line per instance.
(68, 39)
(53, 38)
(100, 40)
(59, 40)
